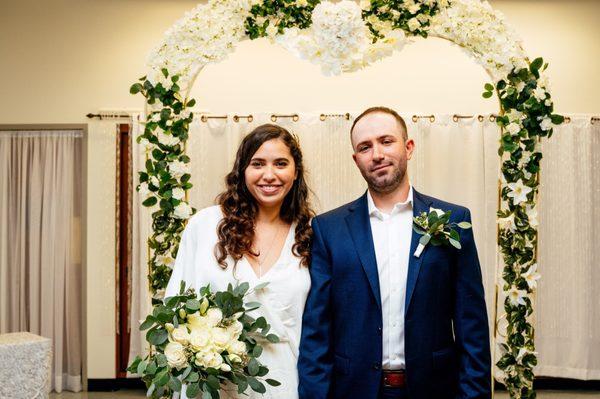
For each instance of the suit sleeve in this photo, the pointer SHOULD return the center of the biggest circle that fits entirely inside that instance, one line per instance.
(471, 322)
(315, 362)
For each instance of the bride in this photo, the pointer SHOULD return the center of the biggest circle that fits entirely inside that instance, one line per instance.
(259, 233)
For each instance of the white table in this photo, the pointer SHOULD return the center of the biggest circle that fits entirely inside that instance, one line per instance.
(25, 364)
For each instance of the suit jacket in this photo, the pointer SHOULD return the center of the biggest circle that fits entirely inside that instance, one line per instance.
(446, 326)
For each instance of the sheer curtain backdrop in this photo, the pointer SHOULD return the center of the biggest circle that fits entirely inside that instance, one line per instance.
(568, 301)
(456, 159)
(40, 246)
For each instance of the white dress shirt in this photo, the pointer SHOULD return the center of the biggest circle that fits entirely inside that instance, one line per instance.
(391, 237)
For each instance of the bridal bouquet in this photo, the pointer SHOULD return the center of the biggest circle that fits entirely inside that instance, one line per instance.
(204, 340)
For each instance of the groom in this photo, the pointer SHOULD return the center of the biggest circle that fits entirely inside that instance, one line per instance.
(381, 322)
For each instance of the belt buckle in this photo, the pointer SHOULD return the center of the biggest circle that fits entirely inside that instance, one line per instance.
(394, 379)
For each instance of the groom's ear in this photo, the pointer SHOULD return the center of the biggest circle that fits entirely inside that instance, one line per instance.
(409, 145)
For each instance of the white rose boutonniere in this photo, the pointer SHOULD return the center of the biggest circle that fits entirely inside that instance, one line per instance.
(435, 229)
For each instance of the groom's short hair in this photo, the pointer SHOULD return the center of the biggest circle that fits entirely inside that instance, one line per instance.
(384, 110)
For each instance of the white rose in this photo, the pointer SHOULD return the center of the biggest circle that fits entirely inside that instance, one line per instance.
(413, 24)
(546, 124)
(175, 353)
(182, 211)
(513, 128)
(539, 93)
(178, 193)
(209, 359)
(196, 321)
(225, 367)
(236, 348)
(235, 329)
(413, 9)
(167, 139)
(233, 358)
(200, 339)
(220, 338)
(178, 169)
(181, 335)
(214, 316)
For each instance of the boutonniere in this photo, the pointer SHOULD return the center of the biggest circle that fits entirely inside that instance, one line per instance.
(435, 229)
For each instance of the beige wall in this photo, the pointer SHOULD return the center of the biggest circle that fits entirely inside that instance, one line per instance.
(65, 58)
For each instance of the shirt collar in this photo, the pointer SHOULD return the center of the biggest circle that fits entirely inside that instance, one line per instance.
(374, 211)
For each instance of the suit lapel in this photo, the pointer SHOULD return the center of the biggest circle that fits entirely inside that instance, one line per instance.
(360, 230)
(420, 204)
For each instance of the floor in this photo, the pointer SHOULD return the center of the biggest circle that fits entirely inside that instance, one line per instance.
(132, 394)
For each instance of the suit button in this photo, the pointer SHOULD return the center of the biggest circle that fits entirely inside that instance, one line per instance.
(376, 366)
(379, 330)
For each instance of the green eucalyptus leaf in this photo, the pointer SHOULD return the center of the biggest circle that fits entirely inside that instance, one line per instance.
(253, 367)
(272, 338)
(175, 384)
(464, 225)
(192, 390)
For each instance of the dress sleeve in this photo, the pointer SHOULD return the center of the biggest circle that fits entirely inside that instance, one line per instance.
(185, 262)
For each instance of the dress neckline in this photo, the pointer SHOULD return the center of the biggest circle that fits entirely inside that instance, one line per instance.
(282, 253)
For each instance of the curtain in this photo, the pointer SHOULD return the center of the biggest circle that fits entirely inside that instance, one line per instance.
(567, 307)
(140, 305)
(40, 243)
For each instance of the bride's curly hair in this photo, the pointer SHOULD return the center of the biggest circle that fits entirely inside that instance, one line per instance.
(236, 230)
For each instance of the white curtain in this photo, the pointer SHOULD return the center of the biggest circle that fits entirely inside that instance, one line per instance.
(456, 159)
(567, 309)
(140, 305)
(40, 247)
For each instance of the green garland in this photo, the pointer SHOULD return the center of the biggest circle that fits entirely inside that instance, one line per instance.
(161, 182)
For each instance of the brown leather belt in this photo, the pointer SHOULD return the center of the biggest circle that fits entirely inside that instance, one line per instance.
(393, 378)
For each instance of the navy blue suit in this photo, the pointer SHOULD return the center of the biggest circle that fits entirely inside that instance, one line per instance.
(446, 326)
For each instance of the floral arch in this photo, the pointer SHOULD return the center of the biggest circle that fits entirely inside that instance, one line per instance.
(343, 37)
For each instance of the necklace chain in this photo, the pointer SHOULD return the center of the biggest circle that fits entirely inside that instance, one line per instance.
(258, 257)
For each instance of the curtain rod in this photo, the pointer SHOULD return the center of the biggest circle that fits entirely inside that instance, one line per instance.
(295, 117)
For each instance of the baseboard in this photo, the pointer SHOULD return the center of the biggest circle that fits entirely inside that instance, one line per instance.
(111, 385)
(114, 384)
(559, 384)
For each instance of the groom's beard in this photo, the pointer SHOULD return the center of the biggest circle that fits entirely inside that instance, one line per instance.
(386, 183)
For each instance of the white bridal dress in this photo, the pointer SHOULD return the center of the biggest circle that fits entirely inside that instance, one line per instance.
(282, 299)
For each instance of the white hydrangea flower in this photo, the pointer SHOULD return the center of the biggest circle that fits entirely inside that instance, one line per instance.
(339, 40)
